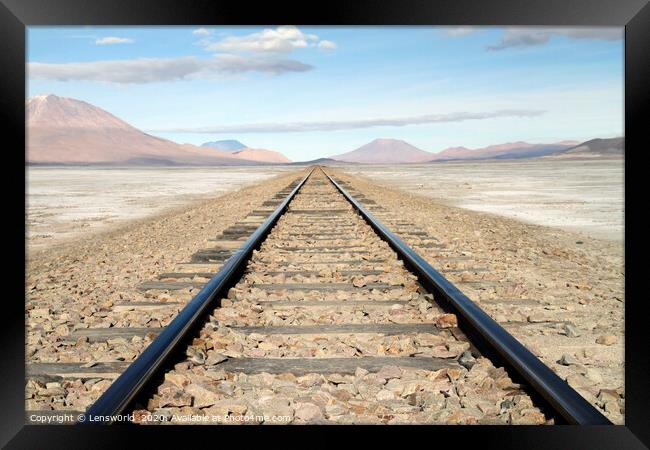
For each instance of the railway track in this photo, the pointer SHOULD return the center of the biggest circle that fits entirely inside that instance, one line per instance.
(320, 314)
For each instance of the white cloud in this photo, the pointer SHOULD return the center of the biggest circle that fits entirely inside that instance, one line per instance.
(202, 32)
(327, 44)
(110, 40)
(150, 70)
(283, 39)
(358, 123)
(460, 31)
(526, 37)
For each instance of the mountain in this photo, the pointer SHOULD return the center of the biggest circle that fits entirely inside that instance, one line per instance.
(393, 151)
(229, 145)
(261, 155)
(595, 148)
(510, 150)
(385, 151)
(236, 149)
(320, 161)
(63, 130)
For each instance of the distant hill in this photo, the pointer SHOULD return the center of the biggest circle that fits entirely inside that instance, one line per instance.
(320, 161)
(261, 155)
(394, 151)
(385, 151)
(229, 145)
(594, 148)
(63, 130)
(236, 149)
(510, 150)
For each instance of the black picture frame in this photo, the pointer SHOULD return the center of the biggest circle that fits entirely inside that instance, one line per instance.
(15, 15)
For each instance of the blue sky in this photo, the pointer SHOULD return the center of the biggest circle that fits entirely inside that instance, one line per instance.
(311, 92)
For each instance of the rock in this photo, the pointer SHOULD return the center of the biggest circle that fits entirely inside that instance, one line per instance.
(349, 387)
(385, 395)
(606, 339)
(441, 352)
(277, 407)
(307, 412)
(429, 340)
(171, 396)
(447, 321)
(593, 375)
(342, 395)
(505, 406)
(202, 397)
(52, 386)
(216, 374)
(335, 410)
(40, 313)
(467, 360)
(62, 330)
(388, 372)
(537, 318)
(577, 381)
(487, 407)
(531, 417)
(571, 331)
(257, 337)
(458, 347)
(311, 379)
(286, 377)
(336, 378)
(605, 395)
(177, 379)
(454, 373)
(196, 355)
(612, 407)
(214, 358)
(360, 372)
(267, 346)
(227, 406)
(567, 360)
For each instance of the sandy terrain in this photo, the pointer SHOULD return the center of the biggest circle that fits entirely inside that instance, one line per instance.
(67, 203)
(584, 196)
(559, 292)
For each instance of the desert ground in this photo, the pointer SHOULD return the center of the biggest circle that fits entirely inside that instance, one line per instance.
(65, 203)
(576, 195)
(558, 289)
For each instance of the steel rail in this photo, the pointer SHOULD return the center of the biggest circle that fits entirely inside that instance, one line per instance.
(127, 386)
(566, 402)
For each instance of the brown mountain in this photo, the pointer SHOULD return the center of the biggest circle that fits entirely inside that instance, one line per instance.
(63, 130)
(260, 155)
(594, 148)
(385, 151)
(510, 150)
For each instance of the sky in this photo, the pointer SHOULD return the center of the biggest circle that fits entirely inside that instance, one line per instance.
(312, 92)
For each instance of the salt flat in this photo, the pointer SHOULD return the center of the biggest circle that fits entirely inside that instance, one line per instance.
(584, 196)
(68, 202)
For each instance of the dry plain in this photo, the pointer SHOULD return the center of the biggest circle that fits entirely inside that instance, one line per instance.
(64, 203)
(560, 291)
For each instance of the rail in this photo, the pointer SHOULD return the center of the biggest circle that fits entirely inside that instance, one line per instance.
(127, 386)
(568, 403)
